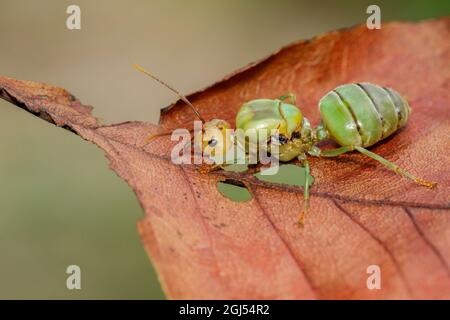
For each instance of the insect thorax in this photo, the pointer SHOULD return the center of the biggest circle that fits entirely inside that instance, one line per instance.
(301, 142)
(296, 137)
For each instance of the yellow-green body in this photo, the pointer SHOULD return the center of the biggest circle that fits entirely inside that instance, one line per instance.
(362, 114)
(269, 114)
(359, 114)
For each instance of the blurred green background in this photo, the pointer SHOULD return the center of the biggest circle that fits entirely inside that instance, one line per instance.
(59, 202)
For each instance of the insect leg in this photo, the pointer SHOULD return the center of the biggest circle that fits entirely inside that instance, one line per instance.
(336, 152)
(148, 139)
(152, 137)
(395, 168)
(290, 96)
(209, 168)
(301, 217)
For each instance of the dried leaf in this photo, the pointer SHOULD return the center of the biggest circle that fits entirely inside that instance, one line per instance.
(206, 246)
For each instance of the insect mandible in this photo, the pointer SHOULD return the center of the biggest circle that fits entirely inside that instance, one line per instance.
(355, 116)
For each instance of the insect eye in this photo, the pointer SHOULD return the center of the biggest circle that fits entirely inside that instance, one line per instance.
(279, 139)
(212, 142)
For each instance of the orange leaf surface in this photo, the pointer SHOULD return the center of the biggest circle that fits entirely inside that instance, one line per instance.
(206, 246)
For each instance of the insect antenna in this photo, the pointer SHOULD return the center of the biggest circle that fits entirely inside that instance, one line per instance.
(182, 97)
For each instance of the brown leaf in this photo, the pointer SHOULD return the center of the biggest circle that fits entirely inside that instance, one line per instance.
(205, 246)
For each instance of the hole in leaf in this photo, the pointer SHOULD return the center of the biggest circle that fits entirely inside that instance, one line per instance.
(234, 190)
(288, 174)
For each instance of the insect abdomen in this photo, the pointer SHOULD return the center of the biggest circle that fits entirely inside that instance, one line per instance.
(362, 114)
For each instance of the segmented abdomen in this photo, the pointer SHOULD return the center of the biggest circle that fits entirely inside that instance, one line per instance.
(362, 114)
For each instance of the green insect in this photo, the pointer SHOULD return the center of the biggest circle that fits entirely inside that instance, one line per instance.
(355, 116)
